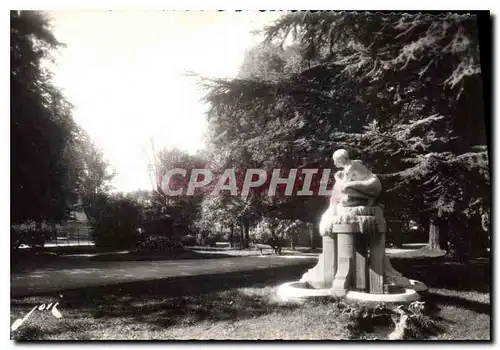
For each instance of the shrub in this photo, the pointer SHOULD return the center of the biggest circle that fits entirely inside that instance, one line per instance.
(210, 241)
(206, 241)
(29, 235)
(413, 321)
(188, 240)
(275, 232)
(217, 237)
(276, 243)
(160, 245)
(116, 224)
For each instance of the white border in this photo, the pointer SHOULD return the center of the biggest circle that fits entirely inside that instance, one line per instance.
(183, 4)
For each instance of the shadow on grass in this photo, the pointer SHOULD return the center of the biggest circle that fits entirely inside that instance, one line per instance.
(183, 300)
(158, 256)
(29, 260)
(439, 273)
(457, 301)
(82, 249)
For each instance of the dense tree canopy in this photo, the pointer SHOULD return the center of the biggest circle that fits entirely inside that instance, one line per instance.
(184, 208)
(399, 90)
(43, 184)
(55, 166)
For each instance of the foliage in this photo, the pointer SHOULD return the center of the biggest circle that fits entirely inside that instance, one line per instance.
(30, 234)
(115, 221)
(54, 162)
(94, 174)
(184, 208)
(400, 90)
(207, 239)
(422, 88)
(159, 244)
(218, 211)
(42, 130)
(413, 321)
(269, 118)
(188, 240)
(145, 200)
(278, 232)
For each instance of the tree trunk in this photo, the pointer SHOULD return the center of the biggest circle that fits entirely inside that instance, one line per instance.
(231, 232)
(313, 231)
(242, 234)
(294, 235)
(246, 226)
(434, 242)
(433, 236)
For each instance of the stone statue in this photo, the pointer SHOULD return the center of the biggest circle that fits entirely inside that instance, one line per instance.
(353, 262)
(355, 192)
(355, 184)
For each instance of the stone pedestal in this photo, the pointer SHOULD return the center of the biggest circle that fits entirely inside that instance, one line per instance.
(361, 263)
(330, 245)
(376, 269)
(356, 269)
(353, 255)
(322, 275)
(353, 263)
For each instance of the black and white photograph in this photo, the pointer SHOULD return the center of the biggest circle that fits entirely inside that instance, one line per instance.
(250, 175)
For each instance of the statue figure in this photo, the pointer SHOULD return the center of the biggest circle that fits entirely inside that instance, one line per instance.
(354, 196)
(355, 184)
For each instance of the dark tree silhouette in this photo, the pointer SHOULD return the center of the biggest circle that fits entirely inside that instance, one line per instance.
(43, 183)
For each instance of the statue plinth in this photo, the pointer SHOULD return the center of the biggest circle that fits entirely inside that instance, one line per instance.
(345, 263)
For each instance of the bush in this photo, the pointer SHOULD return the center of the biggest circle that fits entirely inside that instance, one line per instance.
(210, 241)
(188, 240)
(413, 321)
(276, 232)
(160, 245)
(276, 243)
(29, 235)
(116, 224)
(206, 239)
(217, 237)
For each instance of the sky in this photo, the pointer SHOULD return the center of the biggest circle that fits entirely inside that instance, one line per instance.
(124, 72)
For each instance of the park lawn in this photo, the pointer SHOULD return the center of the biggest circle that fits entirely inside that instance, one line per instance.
(244, 306)
(198, 252)
(466, 315)
(422, 253)
(240, 313)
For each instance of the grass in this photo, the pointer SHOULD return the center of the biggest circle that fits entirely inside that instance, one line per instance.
(422, 253)
(195, 252)
(244, 305)
(25, 260)
(202, 307)
(156, 256)
(242, 313)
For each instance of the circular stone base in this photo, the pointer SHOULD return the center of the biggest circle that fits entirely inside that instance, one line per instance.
(418, 286)
(408, 296)
(301, 290)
